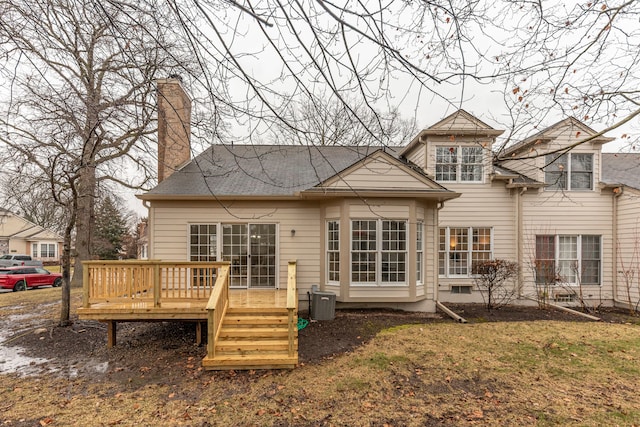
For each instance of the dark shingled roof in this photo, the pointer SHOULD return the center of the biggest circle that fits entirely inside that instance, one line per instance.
(621, 168)
(517, 177)
(260, 170)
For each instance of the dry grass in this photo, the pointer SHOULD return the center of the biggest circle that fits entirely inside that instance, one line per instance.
(525, 373)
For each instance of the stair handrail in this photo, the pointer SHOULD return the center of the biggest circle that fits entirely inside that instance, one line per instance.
(217, 307)
(292, 305)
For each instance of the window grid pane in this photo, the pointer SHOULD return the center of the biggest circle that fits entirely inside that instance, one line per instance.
(555, 175)
(590, 272)
(363, 255)
(203, 242)
(394, 244)
(419, 251)
(333, 250)
(545, 260)
(471, 170)
(459, 251)
(446, 163)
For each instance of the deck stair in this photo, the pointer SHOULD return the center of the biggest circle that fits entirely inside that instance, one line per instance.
(254, 338)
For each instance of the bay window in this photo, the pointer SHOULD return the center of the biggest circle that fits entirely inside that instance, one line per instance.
(378, 252)
(333, 250)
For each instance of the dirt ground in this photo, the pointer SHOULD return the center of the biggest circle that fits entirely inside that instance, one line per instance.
(80, 350)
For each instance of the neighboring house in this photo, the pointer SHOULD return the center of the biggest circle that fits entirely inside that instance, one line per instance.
(401, 227)
(142, 240)
(18, 235)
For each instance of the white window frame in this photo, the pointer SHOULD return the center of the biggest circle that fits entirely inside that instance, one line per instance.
(333, 250)
(562, 168)
(216, 255)
(420, 252)
(459, 153)
(447, 249)
(378, 252)
(563, 259)
(39, 253)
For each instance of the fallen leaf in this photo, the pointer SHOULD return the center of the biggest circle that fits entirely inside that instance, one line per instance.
(46, 421)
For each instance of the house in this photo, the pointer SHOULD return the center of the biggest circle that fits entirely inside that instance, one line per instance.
(396, 227)
(18, 235)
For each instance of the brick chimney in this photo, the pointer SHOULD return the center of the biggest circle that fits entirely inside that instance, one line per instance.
(174, 126)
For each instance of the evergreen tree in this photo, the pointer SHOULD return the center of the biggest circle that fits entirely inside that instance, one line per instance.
(111, 230)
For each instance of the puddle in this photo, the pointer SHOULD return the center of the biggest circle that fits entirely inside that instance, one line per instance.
(13, 360)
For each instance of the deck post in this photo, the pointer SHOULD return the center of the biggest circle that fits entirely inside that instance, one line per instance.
(111, 333)
(198, 333)
(292, 305)
(156, 285)
(85, 286)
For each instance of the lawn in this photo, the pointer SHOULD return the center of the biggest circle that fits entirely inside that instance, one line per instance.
(505, 373)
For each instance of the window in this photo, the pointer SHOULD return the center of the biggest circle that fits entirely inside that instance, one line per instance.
(333, 250)
(203, 242)
(34, 250)
(459, 164)
(378, 251)
(460, 248)
(47, 250)
(569, 171)
(568, 259)
(419, 251)
(394, 251)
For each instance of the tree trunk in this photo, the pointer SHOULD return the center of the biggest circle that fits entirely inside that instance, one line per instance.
(84, 222)
(65, 319)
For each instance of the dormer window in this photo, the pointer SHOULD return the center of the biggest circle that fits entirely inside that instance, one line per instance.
(572, 171)
(459, 164)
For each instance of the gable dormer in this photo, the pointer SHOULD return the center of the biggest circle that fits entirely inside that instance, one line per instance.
(565, 156)
(456, 150)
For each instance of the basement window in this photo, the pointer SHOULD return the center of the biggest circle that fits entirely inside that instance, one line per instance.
(461, 289)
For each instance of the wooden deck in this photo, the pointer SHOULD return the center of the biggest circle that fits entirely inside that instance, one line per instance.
(246, 329)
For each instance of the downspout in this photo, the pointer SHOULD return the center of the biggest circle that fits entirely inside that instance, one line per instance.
(617, 192)
(147, 205)
(519, 240)
(435, 248)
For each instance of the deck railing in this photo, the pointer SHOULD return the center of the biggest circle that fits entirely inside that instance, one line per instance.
(114, 281)
(217, 308)
(292, 306)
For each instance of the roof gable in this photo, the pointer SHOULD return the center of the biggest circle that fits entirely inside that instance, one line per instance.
(380, 171)
(460, 120)
(460, 123)
(570, 124)
(17, 227)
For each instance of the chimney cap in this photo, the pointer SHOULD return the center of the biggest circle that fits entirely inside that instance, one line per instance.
(176, 76)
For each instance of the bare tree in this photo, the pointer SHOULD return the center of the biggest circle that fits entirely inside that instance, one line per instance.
(329, 122)
(32, 199)
(82, 92)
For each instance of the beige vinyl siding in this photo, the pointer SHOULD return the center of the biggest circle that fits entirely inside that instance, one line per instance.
(572, 213)
(456, 123)
(171, 221)
(417, 155)
(378, 209)
(488, 206)
(380, 174)
(628, 247)
(430, 269)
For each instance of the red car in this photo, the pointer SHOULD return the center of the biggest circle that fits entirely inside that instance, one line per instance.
(21, 278)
